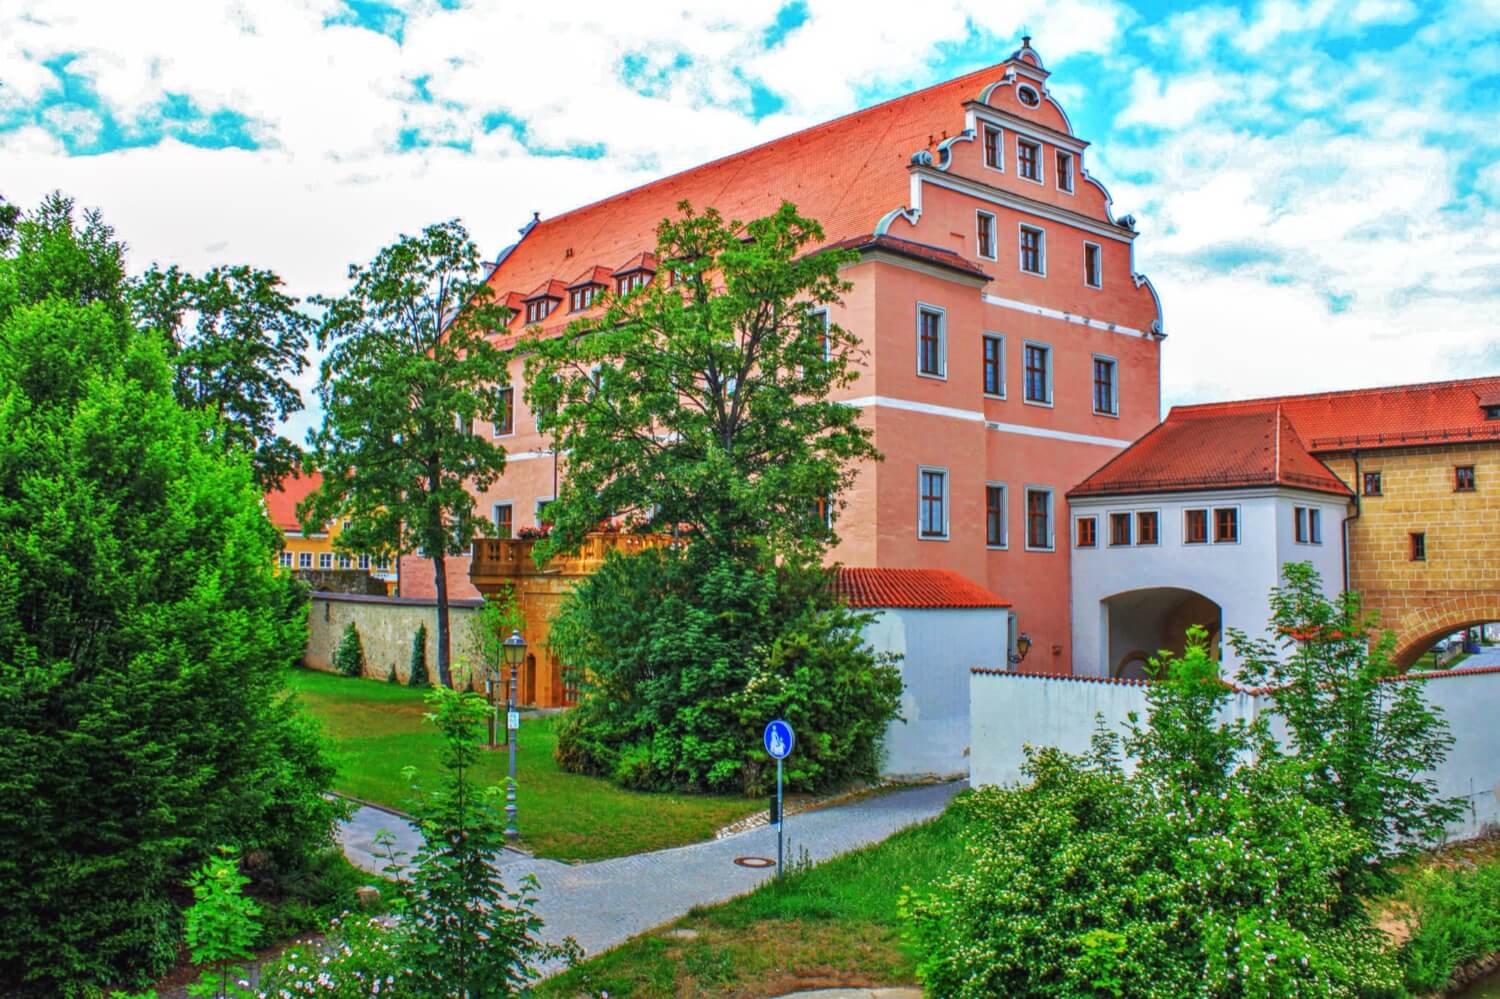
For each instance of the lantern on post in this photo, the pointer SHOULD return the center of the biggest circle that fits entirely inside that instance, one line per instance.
(514, 649)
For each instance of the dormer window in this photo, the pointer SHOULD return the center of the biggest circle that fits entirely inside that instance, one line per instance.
(1029, 159)
(538, 310)
(582, 298)
(1492, 412)
(630, 282)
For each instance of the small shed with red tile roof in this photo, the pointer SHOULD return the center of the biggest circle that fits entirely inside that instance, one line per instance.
(939, 625)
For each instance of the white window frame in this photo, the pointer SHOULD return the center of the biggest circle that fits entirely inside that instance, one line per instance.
(304, 560)
(363, 562)
(999, 166)
(1004, 544)
(1041, 248)
(345, 561)
(1213, 524)
(1109, 519)
(994, 248)
(1072, 171)
(947, 502)
(495, 519)
(325, 561)
(1051, 518)
(536, 511)
(1098, 249)
(1025, 377)
(1079, 518)
(286, 560)
(942, 314)
(495, 427)
(1135, 527)
(1114, 385)
(1000, 338)
(1041, 165)
(827, 343)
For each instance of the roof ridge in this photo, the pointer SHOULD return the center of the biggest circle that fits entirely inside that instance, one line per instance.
(1266, 400)
(900, 98)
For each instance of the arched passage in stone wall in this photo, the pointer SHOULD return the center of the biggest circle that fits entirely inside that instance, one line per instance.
(1420, 629)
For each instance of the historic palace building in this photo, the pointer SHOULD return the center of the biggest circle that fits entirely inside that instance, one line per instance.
(1390, 492)
(1011, 347)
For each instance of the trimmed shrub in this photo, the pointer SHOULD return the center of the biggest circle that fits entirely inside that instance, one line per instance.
(349, 659)
(391, 677)
(417, 677)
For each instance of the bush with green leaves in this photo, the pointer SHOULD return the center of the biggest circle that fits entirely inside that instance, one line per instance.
(686, 653)
(1453, 912)
(349, 657)
(1198, 873)
(143, 636)
(221, 927)
(358, 957)
(416, 676)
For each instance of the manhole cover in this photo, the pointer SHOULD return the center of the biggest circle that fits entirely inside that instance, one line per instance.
(755, 861)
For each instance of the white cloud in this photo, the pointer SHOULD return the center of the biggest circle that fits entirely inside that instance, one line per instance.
(1170, 104)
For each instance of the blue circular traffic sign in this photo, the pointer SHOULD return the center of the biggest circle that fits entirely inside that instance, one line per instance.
(779, 739)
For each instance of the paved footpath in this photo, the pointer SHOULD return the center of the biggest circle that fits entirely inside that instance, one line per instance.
(606, 902)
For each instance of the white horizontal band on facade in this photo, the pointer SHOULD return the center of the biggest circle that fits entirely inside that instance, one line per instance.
(974, 416)
(1040, 310)
(1020, 203)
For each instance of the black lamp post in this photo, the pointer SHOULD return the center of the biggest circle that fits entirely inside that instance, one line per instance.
(515, 651)
(1023, 646)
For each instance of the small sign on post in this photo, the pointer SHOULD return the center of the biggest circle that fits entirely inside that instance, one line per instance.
(779, 740)
(513, 720)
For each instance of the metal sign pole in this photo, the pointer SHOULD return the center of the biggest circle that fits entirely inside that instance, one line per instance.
(780, 819)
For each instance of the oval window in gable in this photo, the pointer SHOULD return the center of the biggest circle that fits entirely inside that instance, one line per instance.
(1028, 96)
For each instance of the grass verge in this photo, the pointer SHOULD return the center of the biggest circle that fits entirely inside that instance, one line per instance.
(828, 926)
(378, 730)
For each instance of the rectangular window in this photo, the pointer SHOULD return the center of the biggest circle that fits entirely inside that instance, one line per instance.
(1119, 529)
(541, 511)
(1038, 373)
(823, 510)
(1106, 384)
(931, 349)
(1033, 250)
(1314, 526)
(1307, 525)
(1039, 519)
(994, 365)
(932, 503)
(304, 560)
(1065, 171)
(1226, 525)
(538, 310)
(984, 226)
(994, 516)
(1093, 273)
(383, 564)
(285, 558)
(505, 420)
(581, 298)
(630, 282)
(1029, 160)
(504, 520)
(1463, 479)
(993, 146)
(325, 560)
(1372, 484)
(1087, 535)
(345, 562)
(820, 322)
(1299, 525)
(1419, 546)
(364, 562)
(1195, 527)
(1147, 528)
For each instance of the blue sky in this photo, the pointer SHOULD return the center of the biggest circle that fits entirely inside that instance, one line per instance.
(1316, 183)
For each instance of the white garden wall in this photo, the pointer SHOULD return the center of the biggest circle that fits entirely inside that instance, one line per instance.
(1009, 711)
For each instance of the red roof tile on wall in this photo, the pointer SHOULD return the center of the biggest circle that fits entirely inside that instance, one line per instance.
(1436, 412)
(1214, 450)
(281, 502)
(916, 588)
(846, 173)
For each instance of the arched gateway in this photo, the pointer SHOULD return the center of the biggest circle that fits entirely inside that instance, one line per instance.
(1418, 629)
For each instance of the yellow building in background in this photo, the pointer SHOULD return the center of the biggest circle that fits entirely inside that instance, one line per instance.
(312, 555)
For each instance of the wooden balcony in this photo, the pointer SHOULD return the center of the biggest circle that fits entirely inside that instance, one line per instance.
(501, 562)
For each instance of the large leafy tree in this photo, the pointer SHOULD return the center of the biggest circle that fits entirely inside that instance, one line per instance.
(143, 630)
(236, 341)
(409, 368)
(702, 399)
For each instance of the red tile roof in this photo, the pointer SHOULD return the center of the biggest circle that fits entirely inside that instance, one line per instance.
(846, 173)
(548, 289)
(1214, 450)
(908, 248)
(594, 275)
(1398, 415)
(281, 502)
(639, 262)
(872, 588)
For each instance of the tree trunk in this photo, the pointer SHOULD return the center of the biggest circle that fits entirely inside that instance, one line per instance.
(440, 583)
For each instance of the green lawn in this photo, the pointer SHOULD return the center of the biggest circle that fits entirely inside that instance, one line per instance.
(834, 925)
(378, 730)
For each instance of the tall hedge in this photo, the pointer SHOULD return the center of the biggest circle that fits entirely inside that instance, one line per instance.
(143, 634)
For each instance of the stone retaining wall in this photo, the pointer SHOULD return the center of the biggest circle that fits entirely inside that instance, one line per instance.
(386, 626)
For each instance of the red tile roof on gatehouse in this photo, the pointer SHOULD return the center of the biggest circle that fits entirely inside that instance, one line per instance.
(914, 588)
(1213, 450)
(1276, 441)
